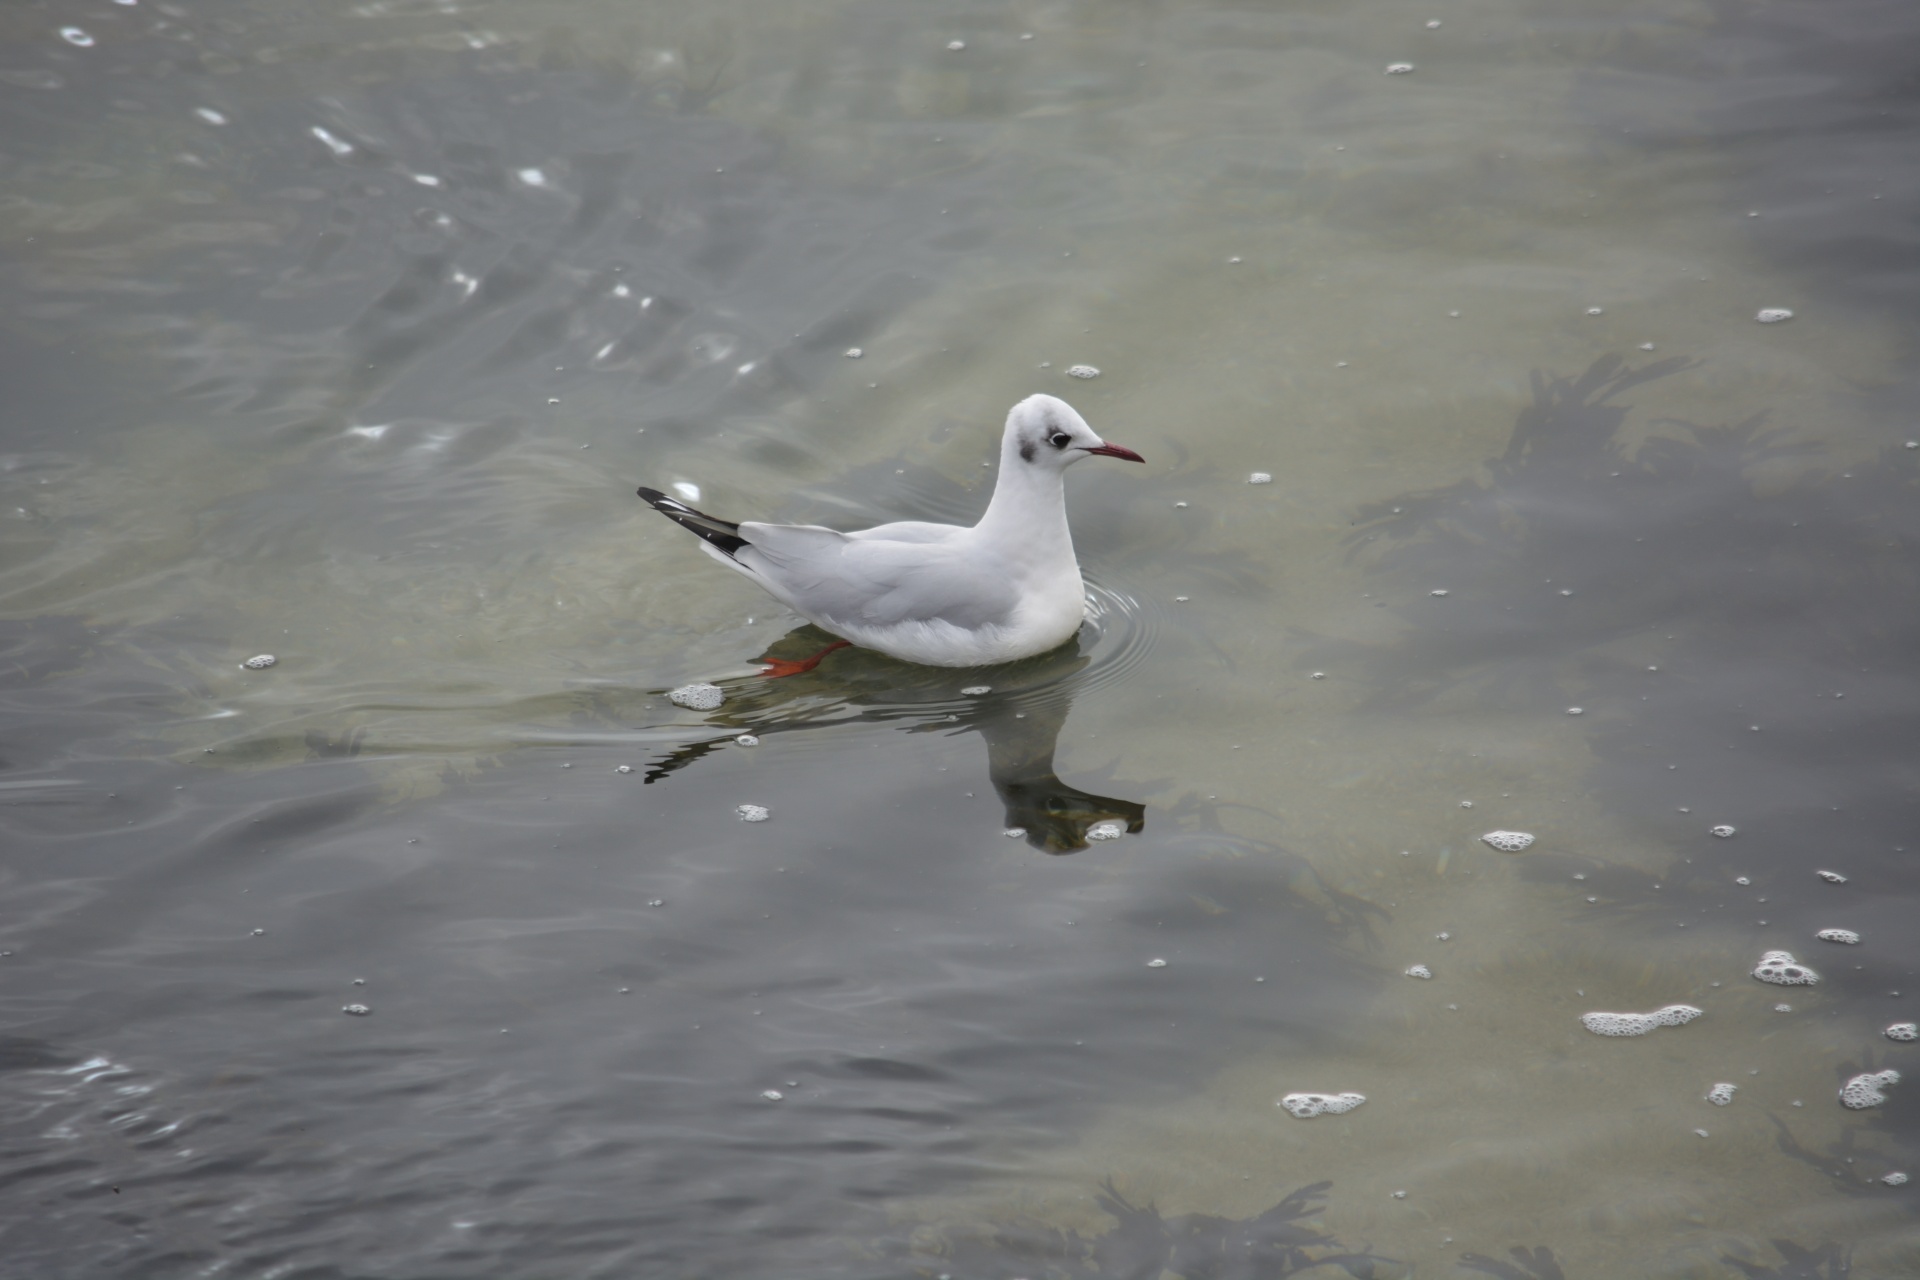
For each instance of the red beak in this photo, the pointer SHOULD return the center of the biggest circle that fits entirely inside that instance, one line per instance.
(1117, 451)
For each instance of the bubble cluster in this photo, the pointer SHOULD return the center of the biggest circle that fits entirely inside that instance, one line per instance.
(355, 1010)
(697, 697)
(1832, 877)
(1014, 833)
(772, 1095)
(1848, 936)
(1156, 963)
(1508, 841)
(1260, 477)
(1419, 971)
(1638, 1024)
(1772, 315)
(976, 691)
(747, 740)
(1903, 1031)
(1724, 831)
(1781, 969)
(1894, 1179)
(751, 812)
(1721, 1094)
(1106, 831)
(1082, 371)
(1305, 1106)
(1399, 68)
(1867, 1090)
(259, 662)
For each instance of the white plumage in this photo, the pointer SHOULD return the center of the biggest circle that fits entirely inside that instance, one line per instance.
(940, 594)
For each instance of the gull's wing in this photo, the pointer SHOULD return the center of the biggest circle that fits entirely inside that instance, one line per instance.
(909, 572)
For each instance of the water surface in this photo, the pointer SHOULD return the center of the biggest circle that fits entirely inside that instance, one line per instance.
(344, 334)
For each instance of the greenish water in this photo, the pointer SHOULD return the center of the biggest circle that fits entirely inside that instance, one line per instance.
(344, 334)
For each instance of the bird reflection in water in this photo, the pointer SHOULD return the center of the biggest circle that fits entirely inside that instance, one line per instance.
(1020, 717)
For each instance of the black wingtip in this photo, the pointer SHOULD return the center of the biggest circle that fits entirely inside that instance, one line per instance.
(723, 534)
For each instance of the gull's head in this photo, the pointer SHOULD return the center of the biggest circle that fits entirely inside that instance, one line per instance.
(1045, 431)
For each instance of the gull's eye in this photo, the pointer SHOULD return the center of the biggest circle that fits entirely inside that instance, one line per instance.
(1059, 439)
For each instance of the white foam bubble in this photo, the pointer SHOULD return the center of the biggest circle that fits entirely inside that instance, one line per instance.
(747, 740)
(1638, 1024)
(1831, 877)
(1781, 969)
(698, 696)
(209, 115)
(355, 1010)
(1399, 68)
(1419, 971)
(75, 36)
(1156, 963)
(1903, 1031)
(976, 691)
(1724, 831)
(260, 662)
(772, 1095)
(1868, 1090)
(1848, 936)
(1260, 477)
(1772, 315)
(752, 812)
(1721, 1094)
(1508, 841)
(1305, 1106)
(1014, 833)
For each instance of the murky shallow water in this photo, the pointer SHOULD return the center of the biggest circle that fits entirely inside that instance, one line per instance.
(344, 335)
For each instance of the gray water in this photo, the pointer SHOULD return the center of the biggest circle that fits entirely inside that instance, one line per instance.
(344, 334)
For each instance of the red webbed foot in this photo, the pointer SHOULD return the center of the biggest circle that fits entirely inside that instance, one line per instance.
(776, 668)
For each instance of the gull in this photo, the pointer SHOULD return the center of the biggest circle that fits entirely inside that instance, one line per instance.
(943, 595)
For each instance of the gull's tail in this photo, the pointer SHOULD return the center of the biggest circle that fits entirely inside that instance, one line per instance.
(722, 535)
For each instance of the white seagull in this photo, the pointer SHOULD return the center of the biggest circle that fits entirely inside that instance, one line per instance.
(944, 595)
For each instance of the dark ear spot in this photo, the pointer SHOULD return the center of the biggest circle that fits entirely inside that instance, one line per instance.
(1026, 451)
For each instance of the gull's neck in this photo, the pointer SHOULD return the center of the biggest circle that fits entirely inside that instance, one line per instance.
(1029, 508)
